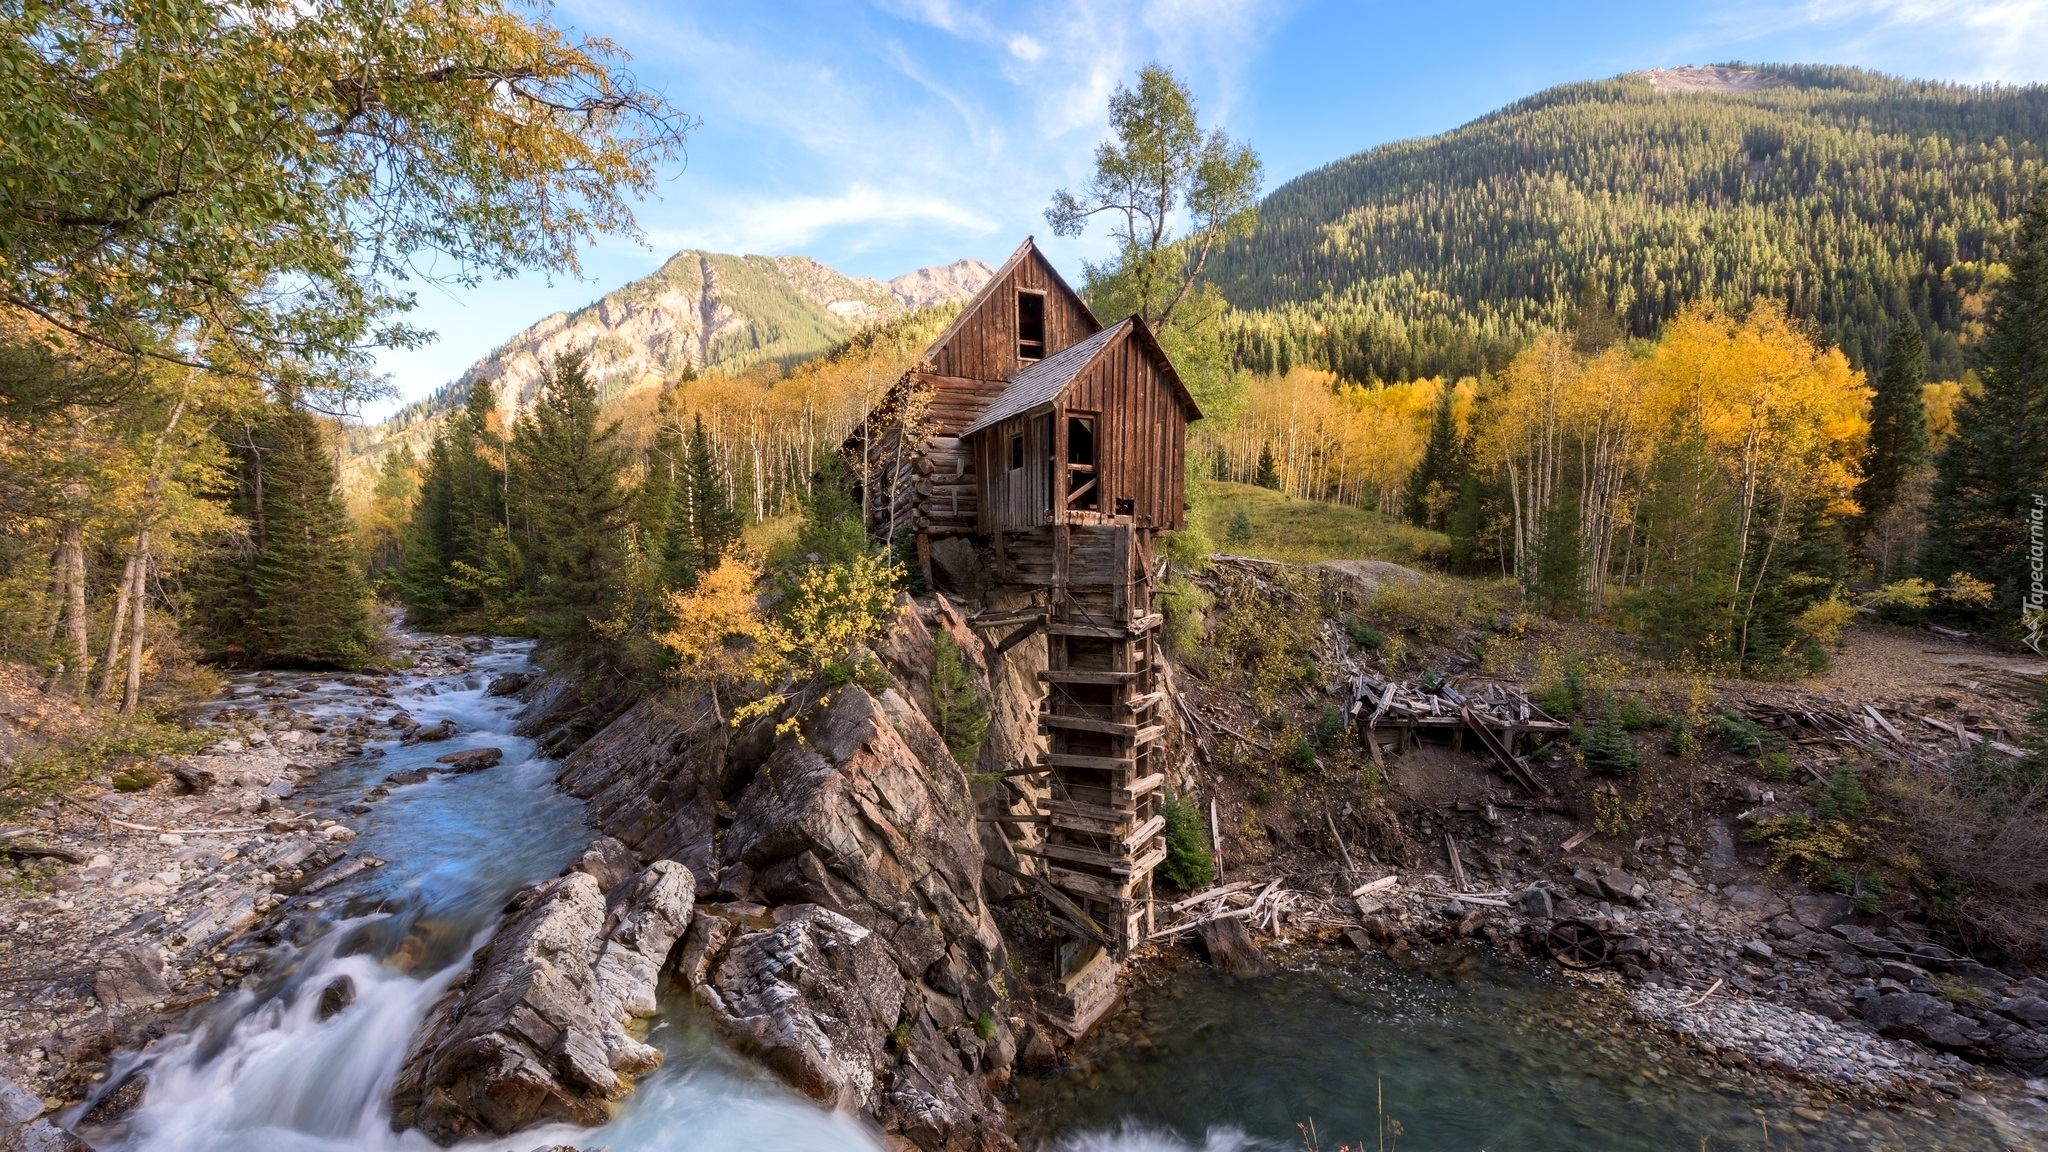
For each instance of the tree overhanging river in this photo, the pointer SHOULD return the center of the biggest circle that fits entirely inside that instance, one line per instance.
(1462, 1057)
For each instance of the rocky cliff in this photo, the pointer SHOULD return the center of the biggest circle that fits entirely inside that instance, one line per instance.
(839, 933)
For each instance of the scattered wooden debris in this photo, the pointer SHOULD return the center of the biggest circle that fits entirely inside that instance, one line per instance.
(1499, 715)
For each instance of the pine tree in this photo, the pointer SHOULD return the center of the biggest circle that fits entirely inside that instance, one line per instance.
(295, 595)
(1898, 424)
(702, 524)
(1436, 482)
(1996, 462)
(458, 565)
(1559, 588)
(1268, 476)
(569, 512)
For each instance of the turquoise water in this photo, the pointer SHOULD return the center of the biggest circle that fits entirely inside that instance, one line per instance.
(1462, 1056)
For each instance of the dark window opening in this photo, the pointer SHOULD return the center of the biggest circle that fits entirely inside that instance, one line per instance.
(1030, 325)
(1083, 493)
(1126, 506)
(1016, 452)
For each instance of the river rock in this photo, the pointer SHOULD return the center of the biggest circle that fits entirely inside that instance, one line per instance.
(336, 998)
(407, 776)
(538, 1032)
(441, 731)
(815, 998)
(1230, 949)
(471, 759)
(132, 977)
(508, 683)
(22, 1128)
(607, 861)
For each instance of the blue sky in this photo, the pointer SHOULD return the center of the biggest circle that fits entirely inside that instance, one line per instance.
(884, 136)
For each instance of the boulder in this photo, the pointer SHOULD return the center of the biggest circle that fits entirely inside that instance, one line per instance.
(541, 1030)
(471, 759)
(132, 977)
(2025, 1009)
(607, 861)
(1229, 947)
(336, 998)
(815, 999)
(22, 1128)
(441, 731)
(407, 776)
(1819, 912)
(508, 683)
(1923, 1019)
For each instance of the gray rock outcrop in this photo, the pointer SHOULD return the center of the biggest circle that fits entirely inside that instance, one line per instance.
(543, 1027)
(842, 934)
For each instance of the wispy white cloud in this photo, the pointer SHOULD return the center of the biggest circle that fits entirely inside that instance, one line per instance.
(2008, 39)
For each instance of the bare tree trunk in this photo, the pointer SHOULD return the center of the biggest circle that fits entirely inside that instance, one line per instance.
(79, 658)
(138, 614)
(121, 604)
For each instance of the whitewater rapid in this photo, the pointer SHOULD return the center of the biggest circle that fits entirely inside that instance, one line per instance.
(260, 1071)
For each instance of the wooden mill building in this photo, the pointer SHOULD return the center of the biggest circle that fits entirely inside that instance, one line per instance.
(1055, 446)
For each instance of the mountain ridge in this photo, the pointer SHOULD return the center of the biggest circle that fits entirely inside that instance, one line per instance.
(700, 310)
(1860, 199)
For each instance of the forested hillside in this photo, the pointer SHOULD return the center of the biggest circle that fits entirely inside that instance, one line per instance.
(700, 310)
(1856, 198)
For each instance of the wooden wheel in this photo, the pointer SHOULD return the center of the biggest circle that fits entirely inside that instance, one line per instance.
(1577, 944)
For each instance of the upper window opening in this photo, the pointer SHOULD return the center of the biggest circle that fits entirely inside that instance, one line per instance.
(1030, 325)
(1016, 452)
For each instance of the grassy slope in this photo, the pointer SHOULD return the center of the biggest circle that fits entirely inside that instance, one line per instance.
(1305, 531)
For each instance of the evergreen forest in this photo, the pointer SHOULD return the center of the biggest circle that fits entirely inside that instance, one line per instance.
(1858, 200)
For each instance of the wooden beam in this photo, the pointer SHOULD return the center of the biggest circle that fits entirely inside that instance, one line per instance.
(1099, 763)
(1089, 724)
(1144, 832)
(1020, 635)
(1133, 630)
(1130, 793)
(1083, 676)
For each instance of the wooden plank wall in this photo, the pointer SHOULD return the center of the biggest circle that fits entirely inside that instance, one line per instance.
(1015, 499)
(984, 345)
(1141, 433)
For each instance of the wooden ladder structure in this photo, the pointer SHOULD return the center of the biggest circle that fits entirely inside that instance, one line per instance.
(1103, 718)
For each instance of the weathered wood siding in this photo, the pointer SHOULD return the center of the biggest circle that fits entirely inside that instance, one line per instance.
(1141, 435)
(983, 344)
(1020, 497)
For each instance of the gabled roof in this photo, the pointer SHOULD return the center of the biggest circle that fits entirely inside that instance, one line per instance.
(1042, 383)
(1027, 248)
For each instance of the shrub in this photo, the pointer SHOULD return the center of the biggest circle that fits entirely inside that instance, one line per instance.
(1563, 698)
(1303, 756)
(962, 713)
(1743, 737)
(1607, 748)
(1681, 742)
(1841, 796)
(1777, 766)
(127, 744)
(1189, 548)
(1635, 714)
(1364, 635)
(1329, 726)
(1182, 604)
(138, 777)
(985, 1026)
(1237, 529)
(1189, 864)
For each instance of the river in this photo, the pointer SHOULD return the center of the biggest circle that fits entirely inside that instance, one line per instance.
(1478, 1058)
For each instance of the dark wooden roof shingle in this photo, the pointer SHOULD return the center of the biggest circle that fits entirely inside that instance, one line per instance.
(1043, 381)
